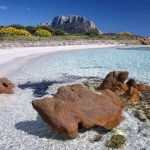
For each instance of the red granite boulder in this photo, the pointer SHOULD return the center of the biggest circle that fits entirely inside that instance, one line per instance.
(133, 95)
(132, 83)
(6, 86)
(113, 79)
(143, 87)
(76, 105)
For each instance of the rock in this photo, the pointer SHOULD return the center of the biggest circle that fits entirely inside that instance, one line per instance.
(97, 138)
(132, 83)
(71, 24)
(145, 41)
(6, 87)
(148, 88)
(140, 115)
(133, 96)
(126, 33)
(76, 105)
(143, 87)
(120, 88)
(116, 141)
(145, 95)
(112, 79)
(92, 83)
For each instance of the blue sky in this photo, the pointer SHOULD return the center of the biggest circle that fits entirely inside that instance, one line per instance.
(108, 15)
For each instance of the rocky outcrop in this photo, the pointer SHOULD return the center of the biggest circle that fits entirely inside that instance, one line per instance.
(133, 95)
(71, 24)
(126, 33)
(143, 87)
(130, 90)
(145, 41)
(75, 105)
(6, 86)
(114, 81)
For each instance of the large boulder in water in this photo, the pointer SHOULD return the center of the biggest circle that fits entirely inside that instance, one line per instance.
(130, 90)
(6, 86)
(76, 105)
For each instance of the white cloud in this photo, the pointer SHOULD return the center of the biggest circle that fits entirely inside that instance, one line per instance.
(2, 7)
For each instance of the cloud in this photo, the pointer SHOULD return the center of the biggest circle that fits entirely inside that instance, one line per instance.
(2, 7)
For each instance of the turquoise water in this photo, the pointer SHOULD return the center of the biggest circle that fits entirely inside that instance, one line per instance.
(87, 63)
(21, 128)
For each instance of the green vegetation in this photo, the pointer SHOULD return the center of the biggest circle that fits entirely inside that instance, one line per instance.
(43, 33)
(52, 31)
(59, 32)
(10, 31)
(17, 26)
(30, 33)
(93, 33)
(117, 36)
(116, 141)
(31, 29)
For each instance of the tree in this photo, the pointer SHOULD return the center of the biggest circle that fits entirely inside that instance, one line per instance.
(93, 32)
(31, 29)
(59, 32)
(17, 26)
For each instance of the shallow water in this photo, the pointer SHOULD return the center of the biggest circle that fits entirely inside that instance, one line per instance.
(83, 63)
(22, 128)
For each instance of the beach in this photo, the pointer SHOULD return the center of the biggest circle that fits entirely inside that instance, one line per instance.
(12, 58)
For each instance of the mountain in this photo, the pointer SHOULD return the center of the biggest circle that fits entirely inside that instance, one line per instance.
(70, 24)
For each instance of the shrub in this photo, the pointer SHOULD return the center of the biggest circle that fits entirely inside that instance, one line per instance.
(43, 33)
(51, 30)
(23, 32)
(31, 29)
(10, 31)
(17, 26)
(93, 32)
(59, 32)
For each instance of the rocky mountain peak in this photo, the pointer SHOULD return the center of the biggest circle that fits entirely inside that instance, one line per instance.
(71, 24)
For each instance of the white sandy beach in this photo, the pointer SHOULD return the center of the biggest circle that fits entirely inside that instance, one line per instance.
(13, 58)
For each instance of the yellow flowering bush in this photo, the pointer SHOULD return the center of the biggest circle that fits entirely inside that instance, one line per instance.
(43, 33)
(10, 31)
(23, 32)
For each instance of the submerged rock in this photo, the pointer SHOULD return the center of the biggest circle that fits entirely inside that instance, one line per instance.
(6, 86)
(76, 105)
(116, 141)
(97, 138)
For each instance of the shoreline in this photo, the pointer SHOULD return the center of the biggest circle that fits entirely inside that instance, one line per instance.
(12, 59)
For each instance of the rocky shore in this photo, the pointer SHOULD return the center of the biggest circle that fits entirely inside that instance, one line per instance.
(117, 108)
(98, 103)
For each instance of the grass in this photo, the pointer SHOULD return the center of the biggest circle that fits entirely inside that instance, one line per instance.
(69, 37)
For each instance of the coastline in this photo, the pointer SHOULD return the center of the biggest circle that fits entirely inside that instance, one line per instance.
(11, 59)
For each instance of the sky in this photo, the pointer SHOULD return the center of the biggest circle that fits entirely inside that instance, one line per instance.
(108, 15)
